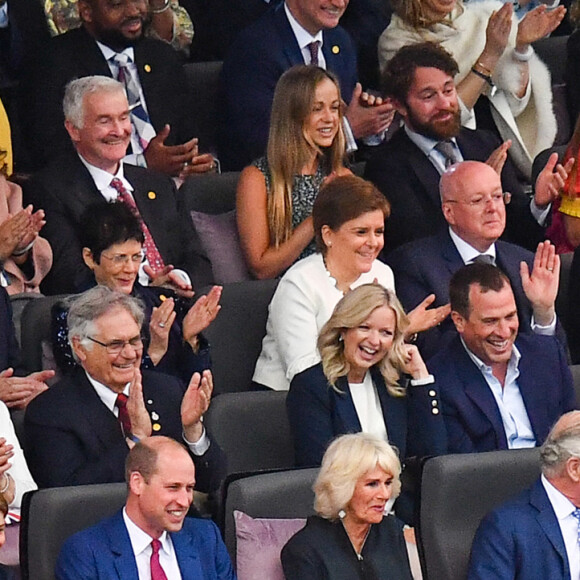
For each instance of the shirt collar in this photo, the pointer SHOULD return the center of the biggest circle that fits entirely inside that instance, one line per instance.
(141, 540)
(109, 53)
(563, 507)
(468, 252)
(108, 396)
(103, 178)
(302, 35)
(4, 18)
(426, 144)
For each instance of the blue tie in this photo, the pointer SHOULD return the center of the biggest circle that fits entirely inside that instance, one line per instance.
(576, 514)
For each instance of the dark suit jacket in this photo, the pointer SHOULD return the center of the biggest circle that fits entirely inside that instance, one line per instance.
(425, 266)
(65, 189)
(471, 415)
(105, 551)
(75, 54)
(410, 182)
(520, 540)
(71, 437)
(317, 414)
(9, 351)
(323, 550)
(257, 59)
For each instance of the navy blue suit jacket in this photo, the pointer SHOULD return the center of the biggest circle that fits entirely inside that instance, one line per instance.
(425, 266)
(410, 182)
(105, 551)
(472, 418)
(520, 540)
(9, 351)
(317, 414)
(257, 59)
(72, 438)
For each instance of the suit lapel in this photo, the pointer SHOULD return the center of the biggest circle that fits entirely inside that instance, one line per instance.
(532, 392)
(120, 545)
(344, 407)
(187, 556)
(89, 54)
(103, 423)
(547, 520)
(450, 254)
(425, 171)
(478, 391)
(79, 185)
(394, 414)
(286, 37)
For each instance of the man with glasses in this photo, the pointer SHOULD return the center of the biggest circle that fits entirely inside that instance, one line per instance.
(474, 207)
(83, 429)
(499, 389)
(420, 81)
(98, 122)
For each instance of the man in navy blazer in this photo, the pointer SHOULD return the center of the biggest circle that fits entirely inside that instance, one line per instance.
(263, 52)
(535, 535)
(498, 389)
(425, 266)
(77, 432)
(151, 537)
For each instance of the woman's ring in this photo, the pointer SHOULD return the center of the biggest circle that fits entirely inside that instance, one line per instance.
(162, 325)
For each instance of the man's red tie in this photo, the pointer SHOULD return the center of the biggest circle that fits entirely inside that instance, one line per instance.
(157, 572)
(121, 404)
(153, 256)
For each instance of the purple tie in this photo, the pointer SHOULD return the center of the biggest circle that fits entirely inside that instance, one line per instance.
(157, 572)
(313, 48)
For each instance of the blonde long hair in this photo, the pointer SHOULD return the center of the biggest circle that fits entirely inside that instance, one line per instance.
(288, 147)
(350, 312)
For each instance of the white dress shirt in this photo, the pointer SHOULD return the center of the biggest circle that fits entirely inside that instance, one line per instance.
(368, 407)
(514, 416)
(563, 509)
(142, 549)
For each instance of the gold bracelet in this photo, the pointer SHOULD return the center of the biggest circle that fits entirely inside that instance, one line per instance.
(482, 68)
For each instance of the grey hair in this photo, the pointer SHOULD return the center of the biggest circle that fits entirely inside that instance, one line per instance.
(75, 91)
(93, 304)
(560, 445)
(347, 459)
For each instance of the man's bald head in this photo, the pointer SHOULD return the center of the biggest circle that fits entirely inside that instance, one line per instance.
(472, 202)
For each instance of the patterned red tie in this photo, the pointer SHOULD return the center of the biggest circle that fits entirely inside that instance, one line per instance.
(153, 255)
(157, 572)
(121, 404)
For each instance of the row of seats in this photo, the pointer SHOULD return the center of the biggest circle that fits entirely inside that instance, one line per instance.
(456, 492)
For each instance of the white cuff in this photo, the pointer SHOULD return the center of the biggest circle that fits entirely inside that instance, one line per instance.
(420, 382)
(200, 446)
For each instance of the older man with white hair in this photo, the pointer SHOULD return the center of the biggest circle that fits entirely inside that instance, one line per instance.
(536, 535)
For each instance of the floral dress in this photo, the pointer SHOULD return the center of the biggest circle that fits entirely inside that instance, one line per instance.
(304, 191)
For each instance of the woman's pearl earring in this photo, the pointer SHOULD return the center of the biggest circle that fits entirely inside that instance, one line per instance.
(341, 514)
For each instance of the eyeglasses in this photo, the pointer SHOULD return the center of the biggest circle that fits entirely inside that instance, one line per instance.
(480, 201)
(115, 347)
(123, 259)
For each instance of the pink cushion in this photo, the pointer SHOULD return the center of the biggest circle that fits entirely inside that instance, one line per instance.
(259, 542)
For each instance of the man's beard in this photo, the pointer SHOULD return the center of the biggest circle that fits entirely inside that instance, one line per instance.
(116, 40)
(438, 130)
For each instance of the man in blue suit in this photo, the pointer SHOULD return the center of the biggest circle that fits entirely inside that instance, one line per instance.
(151, 537)
(536, 534)
(264, 51)
(498, 389)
